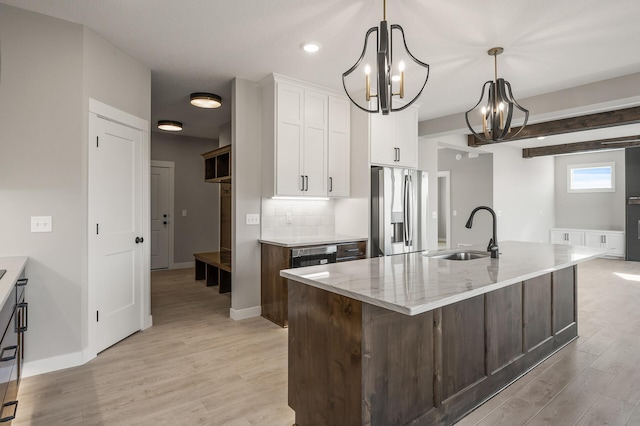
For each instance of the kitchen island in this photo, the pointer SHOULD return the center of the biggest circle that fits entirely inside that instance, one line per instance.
(418, 339)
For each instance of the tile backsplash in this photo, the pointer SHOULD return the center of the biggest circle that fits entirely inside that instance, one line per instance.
(308, 218)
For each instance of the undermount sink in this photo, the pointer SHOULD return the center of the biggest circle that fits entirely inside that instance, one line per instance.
(461, 255)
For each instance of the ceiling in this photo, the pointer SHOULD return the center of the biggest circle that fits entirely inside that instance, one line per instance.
(201, 45)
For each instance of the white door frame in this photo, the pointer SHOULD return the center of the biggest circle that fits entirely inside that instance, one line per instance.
(446, 174)
(172, 169)
(98, 109)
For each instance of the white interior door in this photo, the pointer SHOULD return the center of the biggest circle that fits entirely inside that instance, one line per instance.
(160, 217)
(116, 194)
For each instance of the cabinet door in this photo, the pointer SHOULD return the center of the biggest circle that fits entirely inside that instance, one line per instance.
(339, 147)
(576, 238)
(289, 134)
(594, 239)
(557, 237)
(315, 143)
(381, 139)
(406, 137)
(615, 240)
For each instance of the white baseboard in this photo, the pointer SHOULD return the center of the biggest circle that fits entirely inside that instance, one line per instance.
(183, 265)
(47, 365)
(240, 314)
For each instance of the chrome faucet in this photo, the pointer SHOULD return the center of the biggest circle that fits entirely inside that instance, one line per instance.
(493, 242)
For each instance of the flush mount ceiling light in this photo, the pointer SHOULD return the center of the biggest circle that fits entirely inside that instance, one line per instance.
(170, 125)
(497, 111)
(310, 46)
(206, 100)
(390, 75)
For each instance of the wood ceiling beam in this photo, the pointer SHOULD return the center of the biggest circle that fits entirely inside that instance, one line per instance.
(598, 120)
(569, 148)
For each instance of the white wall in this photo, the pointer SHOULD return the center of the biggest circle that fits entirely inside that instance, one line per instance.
(224, 135)
(523, 190)
(246, 185)
(43, 164)
(352, 214)
(590, 210)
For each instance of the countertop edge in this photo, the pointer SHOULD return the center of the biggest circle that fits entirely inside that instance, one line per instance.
(411, 311)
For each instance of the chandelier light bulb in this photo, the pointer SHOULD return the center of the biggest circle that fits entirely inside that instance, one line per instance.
(367, 69)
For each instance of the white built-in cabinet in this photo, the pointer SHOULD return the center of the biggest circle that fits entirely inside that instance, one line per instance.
(567, 236)
(308, 129)
(591, 238)
(606, 239)
(394, 138)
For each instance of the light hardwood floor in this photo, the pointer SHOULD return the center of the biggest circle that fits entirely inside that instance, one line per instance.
(197, 366)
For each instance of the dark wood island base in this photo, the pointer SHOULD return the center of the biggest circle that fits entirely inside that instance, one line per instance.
(353, 363)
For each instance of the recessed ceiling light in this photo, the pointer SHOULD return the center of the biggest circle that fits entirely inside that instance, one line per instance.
(540, 138)
(206, 100)
(170, 125)
(310, 46)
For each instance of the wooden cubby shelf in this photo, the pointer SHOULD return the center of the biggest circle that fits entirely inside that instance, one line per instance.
(217, 165)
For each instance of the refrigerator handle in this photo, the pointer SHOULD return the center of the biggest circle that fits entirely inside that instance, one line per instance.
(407, 210)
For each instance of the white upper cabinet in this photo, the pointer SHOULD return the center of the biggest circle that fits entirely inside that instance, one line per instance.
(289, 134)
(339, 147)
(394, 138)
(306, 129)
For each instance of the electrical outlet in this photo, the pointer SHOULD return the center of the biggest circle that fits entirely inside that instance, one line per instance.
(434, 215)
(41, 224)
(253, 219)
(289, 218)
(455, 212)
(184, 213)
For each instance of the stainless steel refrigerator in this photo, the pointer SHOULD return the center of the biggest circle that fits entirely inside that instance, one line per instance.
(399, 210)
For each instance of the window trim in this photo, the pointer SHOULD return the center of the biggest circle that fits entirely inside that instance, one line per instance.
(571, 167)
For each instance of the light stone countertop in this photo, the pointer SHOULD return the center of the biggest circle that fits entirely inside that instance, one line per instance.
(415, 283)
(311, 240)
(14, 266)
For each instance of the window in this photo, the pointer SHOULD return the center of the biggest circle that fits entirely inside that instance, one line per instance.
(591, 177)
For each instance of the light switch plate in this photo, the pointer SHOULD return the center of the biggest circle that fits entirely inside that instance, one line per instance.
(41, 224)
(253, 219)
(289, 218)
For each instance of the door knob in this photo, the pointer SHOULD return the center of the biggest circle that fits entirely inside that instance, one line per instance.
(165, 222)
(164, 215)
(139, 240)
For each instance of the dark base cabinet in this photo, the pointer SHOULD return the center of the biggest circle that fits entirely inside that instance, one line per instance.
(273, 288)
(352, 363)
(13, 323)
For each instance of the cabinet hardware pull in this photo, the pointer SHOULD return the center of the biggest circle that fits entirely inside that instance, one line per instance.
(20, 328)
(352, 250)
(330, 184)
(13, 348)
(13, 415)
(398, 154)
(306, 186)
(22, 282)
(302, 182)
(139, 240)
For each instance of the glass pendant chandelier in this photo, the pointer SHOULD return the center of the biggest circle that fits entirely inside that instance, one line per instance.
(393, 62)
(497, 111)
